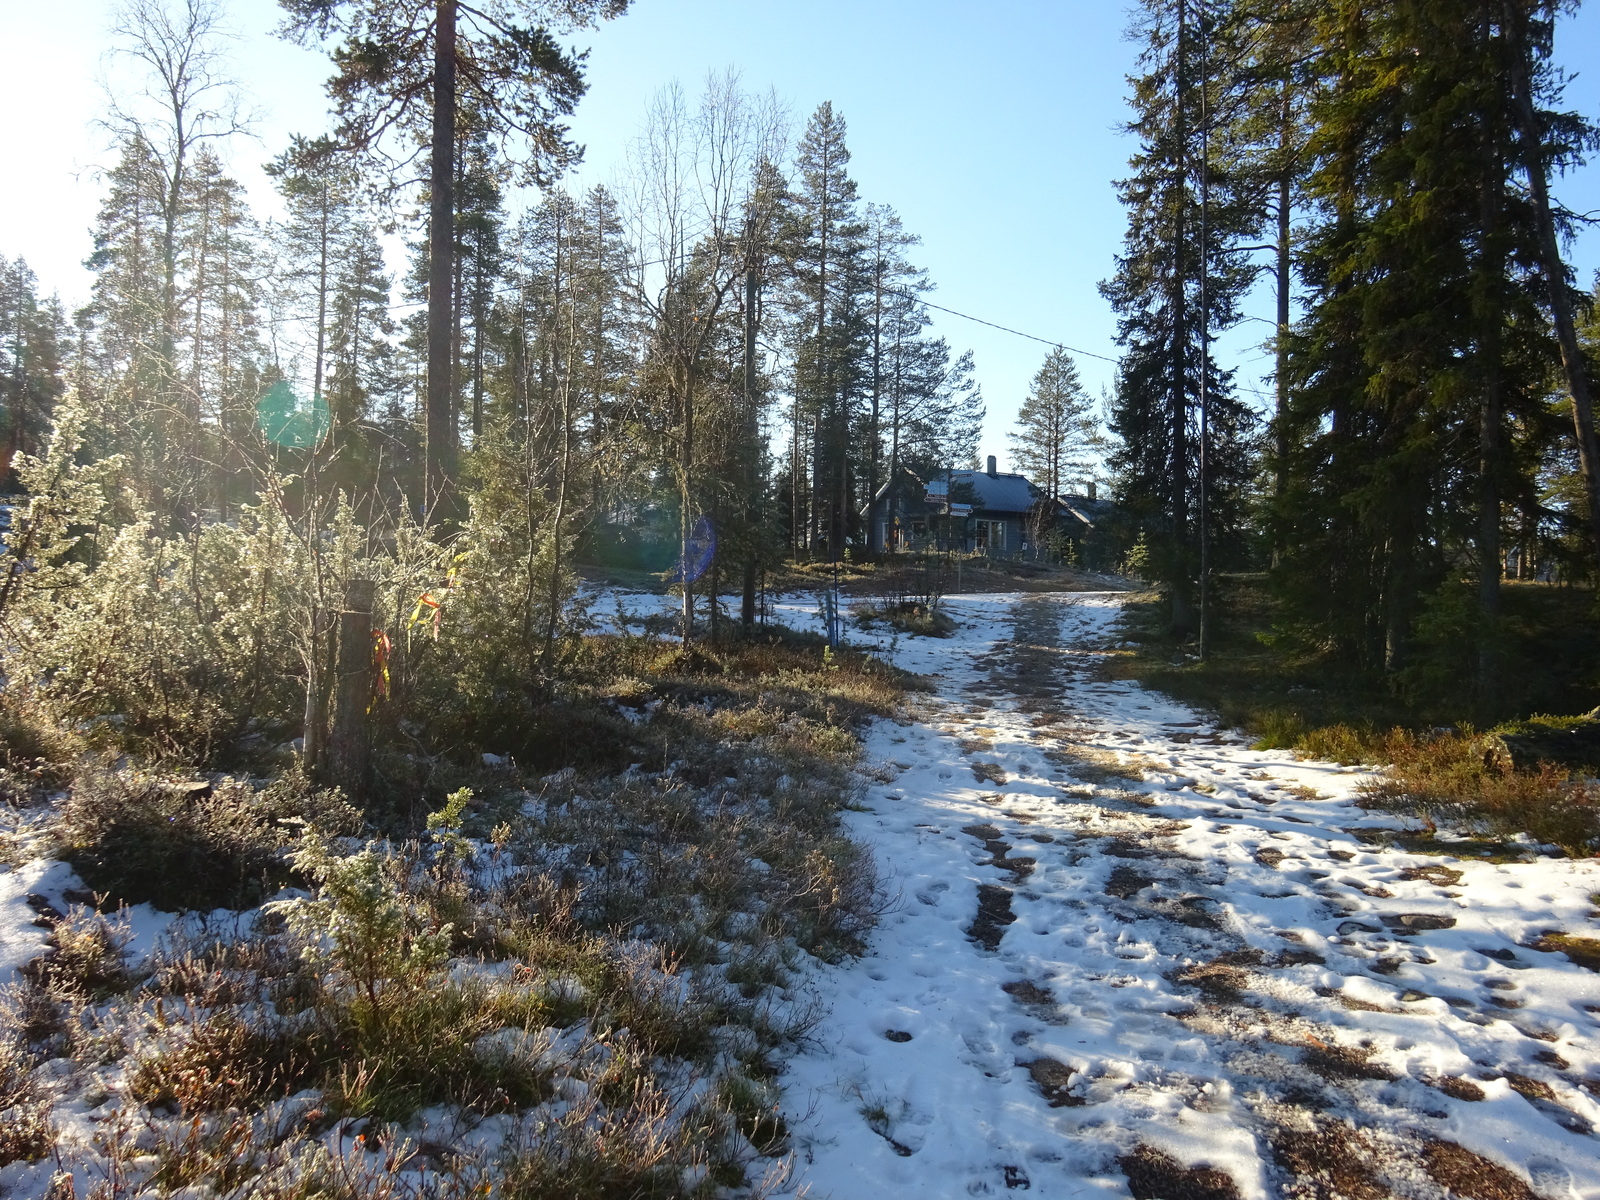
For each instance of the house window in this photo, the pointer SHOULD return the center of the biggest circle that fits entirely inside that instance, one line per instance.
(991, 536)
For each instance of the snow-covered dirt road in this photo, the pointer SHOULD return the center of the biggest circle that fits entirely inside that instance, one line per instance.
(1129, 952)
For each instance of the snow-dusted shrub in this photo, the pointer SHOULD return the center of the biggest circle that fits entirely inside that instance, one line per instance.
(490, 633)
(138, 837)
(87, 959)
(173, 644)
(360, 924)
(25, 1130)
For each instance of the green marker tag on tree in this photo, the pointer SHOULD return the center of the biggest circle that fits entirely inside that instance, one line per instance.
(286, 420)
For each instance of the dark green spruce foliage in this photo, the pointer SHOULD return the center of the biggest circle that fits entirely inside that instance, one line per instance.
(1418, 411)
(1162, 307)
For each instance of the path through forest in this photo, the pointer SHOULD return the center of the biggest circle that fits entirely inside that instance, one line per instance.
(1128, 951)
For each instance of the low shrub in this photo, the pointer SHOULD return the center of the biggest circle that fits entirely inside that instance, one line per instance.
(35, 752)
(1343, 744)
(87, 959)
(25, 1130)
(908, 616)
(142, 838)
(1449, 777)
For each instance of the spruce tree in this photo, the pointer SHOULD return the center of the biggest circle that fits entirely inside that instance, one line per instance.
(1184, 441)
(1418, 374)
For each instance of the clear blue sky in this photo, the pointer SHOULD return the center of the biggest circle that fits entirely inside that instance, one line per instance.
(992, 128)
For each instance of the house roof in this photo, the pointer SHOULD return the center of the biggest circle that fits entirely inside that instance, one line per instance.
(1086, 510)
(995, 493)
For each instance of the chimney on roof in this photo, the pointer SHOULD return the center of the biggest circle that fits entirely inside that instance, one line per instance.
(1091, 489)
(991, 467)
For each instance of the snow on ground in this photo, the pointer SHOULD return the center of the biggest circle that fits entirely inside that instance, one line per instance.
(1116, 925)
(1194, 960)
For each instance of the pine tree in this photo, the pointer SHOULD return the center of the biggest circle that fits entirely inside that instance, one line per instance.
(363, 373)
(1057, 436)
(504, 72)
(606, 334)
(830, 306)
(895, 285)
(219, 272)
(31, 375)
(319, 191)
(126, 309)
(479, 220)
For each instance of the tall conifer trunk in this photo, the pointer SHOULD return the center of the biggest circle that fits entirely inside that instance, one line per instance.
(439, 470)
(1535, 162)
(1284, 281)
(1182, 618)
(752, 449)
(1491, 269)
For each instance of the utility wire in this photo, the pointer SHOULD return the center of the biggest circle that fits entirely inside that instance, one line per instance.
(1008, 329)
(899, 291)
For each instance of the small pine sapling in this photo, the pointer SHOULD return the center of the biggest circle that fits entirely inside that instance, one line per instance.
(360, 923)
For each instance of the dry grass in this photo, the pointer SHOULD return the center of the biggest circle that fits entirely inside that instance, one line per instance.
(1096, 766)
(1585, 951)
(1153, 1175)
(916, 617)
(613, 983)
(1472, 1176)
(1447, 778)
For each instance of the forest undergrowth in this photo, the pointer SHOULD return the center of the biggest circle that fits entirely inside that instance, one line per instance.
(574, 978)
(1523, 763)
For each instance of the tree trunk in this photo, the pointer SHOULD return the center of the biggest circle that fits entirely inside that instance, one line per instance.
(1491, 268)
(752, 435)
(1182, 612)
(874, 538)
(439, 470)
(554, 597)
(1535, 164)
(1280, 428)
(686, 467)
(350, 743)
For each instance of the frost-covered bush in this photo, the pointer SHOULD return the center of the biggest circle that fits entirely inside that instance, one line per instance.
(361, 924)
(172, 644)
(479, 665)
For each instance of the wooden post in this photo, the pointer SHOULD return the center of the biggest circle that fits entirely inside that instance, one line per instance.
(350, 743)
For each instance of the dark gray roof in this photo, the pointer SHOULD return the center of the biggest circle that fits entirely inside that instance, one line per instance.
(1086, 510)
(995, 493)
